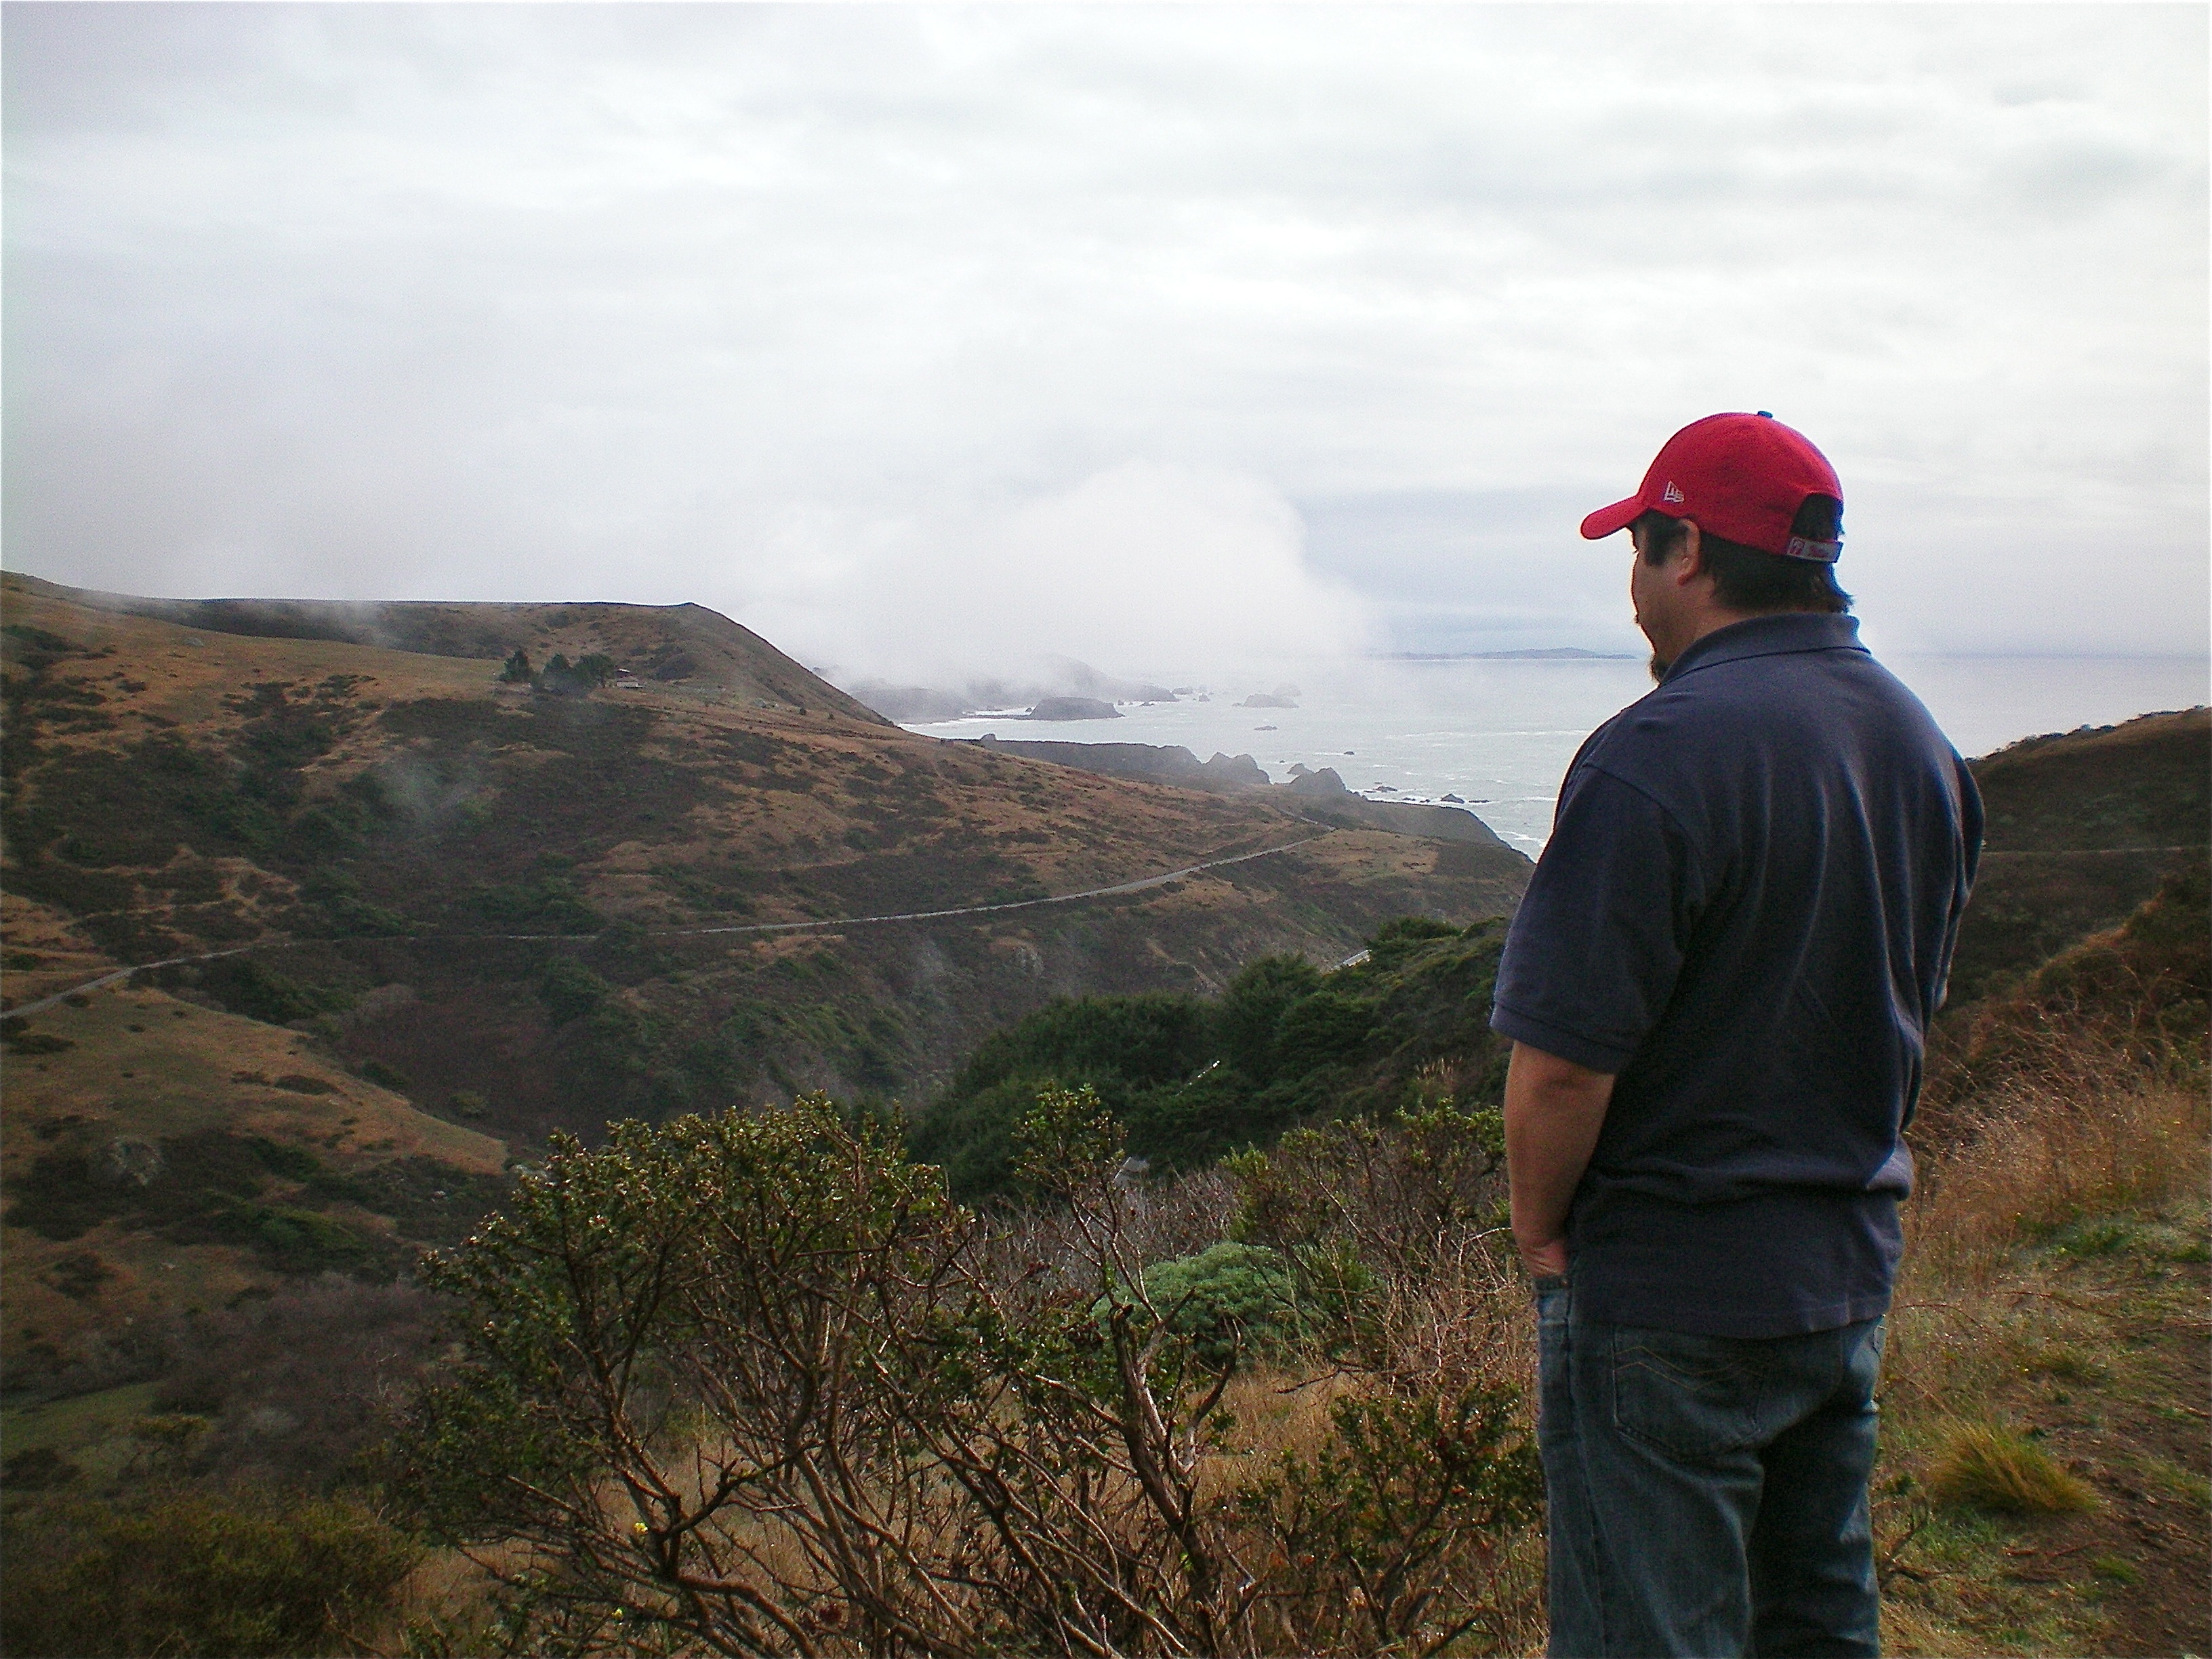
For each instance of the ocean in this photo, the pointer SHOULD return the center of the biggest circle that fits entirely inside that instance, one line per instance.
(1498, 733)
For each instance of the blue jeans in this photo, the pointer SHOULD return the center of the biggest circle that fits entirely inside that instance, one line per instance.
(1707, 1494)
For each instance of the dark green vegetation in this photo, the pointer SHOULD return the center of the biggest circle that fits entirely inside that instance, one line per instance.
(1340, 1268)
(123, 837)
(174, 1571)
(1196, 1078)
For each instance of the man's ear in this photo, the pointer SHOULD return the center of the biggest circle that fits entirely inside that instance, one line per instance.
(1688, 561)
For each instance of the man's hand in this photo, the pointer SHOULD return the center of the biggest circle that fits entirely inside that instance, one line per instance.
(1543, 1261)
(1553, 1111)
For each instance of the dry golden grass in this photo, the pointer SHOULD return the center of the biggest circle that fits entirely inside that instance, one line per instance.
(2036, 1160)
(2091, 1138)
(1986, 1466)
(143, 1066)
(2066, 1158)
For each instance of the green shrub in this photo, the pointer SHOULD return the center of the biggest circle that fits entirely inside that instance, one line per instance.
(1247, 1019)
(293, 1163)
(187, 1574)
(387, 1077)
(246, 987)
(707, 1350)
(38, 1469)
(1385, 1537)
(1385, 1190)
(1233, 1301)
(16, 1036)
(570, 990)
(547, 902)
(295, 1240)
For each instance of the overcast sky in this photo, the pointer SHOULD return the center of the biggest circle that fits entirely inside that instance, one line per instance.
(917, 337)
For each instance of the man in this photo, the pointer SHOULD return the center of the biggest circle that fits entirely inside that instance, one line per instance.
(1717, 988)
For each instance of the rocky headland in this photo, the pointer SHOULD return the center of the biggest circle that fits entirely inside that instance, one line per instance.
(1319, 796)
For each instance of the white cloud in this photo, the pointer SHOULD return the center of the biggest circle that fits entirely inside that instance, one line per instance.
(1144, 569)
(786, 308)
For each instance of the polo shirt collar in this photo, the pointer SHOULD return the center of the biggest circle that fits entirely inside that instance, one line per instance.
(1769, 636)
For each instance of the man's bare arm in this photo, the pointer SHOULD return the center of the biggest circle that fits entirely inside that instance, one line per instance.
(1553, 1111)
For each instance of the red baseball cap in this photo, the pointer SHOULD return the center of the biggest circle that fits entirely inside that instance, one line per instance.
(1741, 477)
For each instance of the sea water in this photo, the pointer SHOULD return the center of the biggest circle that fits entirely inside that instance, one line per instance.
(1498, 733)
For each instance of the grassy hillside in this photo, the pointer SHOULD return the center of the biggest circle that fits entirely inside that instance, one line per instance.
(470, 913)
(683, 649)
(2082, 826)
(497, 908)
(163, 1158)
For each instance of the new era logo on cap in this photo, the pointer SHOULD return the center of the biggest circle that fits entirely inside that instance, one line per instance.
(1672, 496)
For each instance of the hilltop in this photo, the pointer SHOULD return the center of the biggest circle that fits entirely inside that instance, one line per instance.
(464, 914)
(685, 650)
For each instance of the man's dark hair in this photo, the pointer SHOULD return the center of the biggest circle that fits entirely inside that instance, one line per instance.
(1745, 579)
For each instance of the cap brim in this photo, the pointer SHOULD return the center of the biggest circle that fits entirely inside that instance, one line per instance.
(1608, 519)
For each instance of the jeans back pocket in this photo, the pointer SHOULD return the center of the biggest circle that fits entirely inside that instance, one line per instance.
(1691, 1396)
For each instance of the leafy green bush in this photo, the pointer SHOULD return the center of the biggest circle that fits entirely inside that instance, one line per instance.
(1386, 1190)
(38, 1469)
(545, 902)
(193, 1573)
(1232, 1301)
(293, 1240)
(564, 678)
(18, 1038)
(246, 987)
(387, 1077)
(1248, 1019)
(1120, 1047)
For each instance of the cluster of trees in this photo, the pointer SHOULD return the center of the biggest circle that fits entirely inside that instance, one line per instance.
(1195, 1078)
(559, 677)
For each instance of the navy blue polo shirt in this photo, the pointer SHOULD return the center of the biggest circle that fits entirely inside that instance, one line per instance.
(1746, 913)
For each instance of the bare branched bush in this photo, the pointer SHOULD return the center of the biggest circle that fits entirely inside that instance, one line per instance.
(752, 1383)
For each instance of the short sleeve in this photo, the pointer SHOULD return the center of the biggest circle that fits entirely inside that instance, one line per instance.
(1596, 946)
